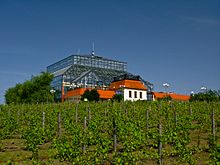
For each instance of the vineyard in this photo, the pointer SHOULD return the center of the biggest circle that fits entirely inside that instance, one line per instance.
(110, 133)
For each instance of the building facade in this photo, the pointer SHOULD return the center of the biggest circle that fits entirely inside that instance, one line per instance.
(87, 71)
(173, 96)
(87, 60)
(130, 89)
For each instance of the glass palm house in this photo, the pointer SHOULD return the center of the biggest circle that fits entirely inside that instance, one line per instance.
(88, 71)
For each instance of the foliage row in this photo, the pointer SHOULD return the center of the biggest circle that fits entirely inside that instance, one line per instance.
(36, 90)
(209, 96)
(88, 130)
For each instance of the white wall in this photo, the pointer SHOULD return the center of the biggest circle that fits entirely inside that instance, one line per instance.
(132, 98)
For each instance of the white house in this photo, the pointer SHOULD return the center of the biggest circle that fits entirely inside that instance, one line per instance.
(132, 90)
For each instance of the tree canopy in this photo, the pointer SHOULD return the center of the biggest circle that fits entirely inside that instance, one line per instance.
(31, 91)
(210, 95)
(117, 97)
(92, 95)
(166, 98)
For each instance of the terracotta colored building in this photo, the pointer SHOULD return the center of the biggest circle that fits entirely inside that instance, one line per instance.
(132, 90)
(76, 73)
(87, 71)
(75, 94)
(174, 96)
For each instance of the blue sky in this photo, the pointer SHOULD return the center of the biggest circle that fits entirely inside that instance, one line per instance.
(163, 41)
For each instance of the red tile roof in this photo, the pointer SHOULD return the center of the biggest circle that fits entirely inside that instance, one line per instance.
(106, 94)
(132, 84)
(75, 92)
(103, 94)
(174, 96)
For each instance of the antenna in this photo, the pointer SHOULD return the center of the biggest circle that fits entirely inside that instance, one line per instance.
(78, 51)
(93, 48)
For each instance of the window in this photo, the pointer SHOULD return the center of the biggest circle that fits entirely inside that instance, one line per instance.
(140, 95)
(135, 94)
(130, 94)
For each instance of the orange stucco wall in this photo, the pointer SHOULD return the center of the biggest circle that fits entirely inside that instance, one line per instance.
(104, 94)
(174, 96)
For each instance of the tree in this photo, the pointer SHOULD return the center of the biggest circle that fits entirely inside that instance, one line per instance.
(92, 95)
(208, 96)
(86, 95)
(165, 98)
(117, 97)
(31, 91)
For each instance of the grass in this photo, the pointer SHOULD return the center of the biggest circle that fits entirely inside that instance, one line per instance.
(13, 150)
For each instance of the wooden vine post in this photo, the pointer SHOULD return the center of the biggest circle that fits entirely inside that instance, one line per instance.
(84, 127)
(160, 144)
(147, 120)
(59, 124)
(76, 115)
(175, 118)
(18, 117)
(105, 113)
(190, 110)
(43, 119)
(89, 113)
(213, 125)
(114, 134)
(106, 106)
(126, 111)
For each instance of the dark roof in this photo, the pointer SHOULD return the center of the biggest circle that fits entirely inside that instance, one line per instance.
(129, 76)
